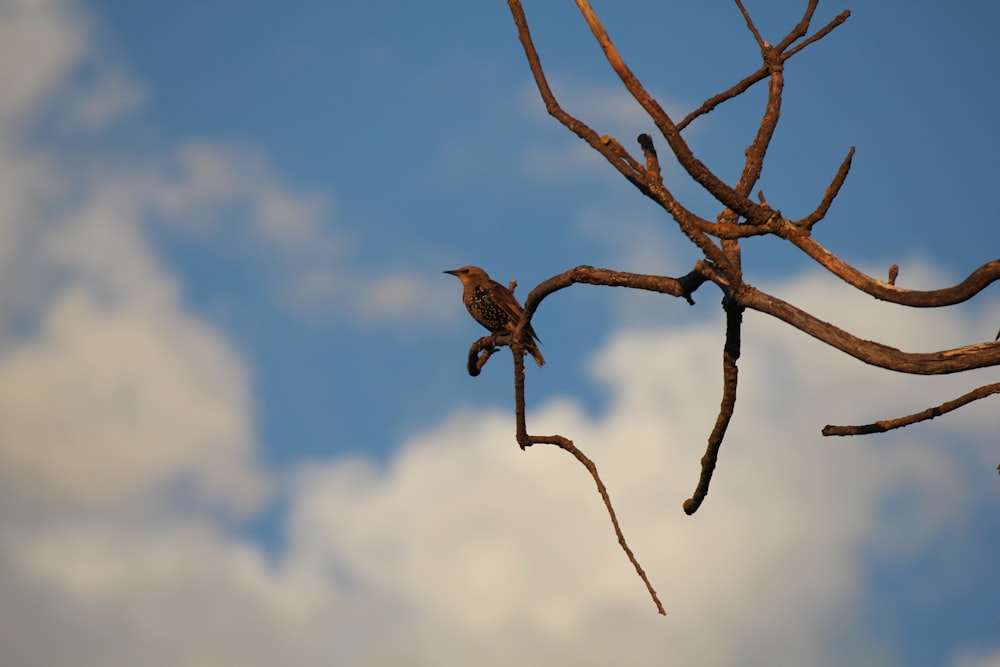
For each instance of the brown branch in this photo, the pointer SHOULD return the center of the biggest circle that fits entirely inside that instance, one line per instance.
(930, 413)
(714, 101)
(831, 193)
(978, 280)
(772, 111)
(740, 218)
(554, 109)
(943, 362)
(801, 28)
(652, 161)
(820, 34)
(682, 287)
(622, 154)
(610, 148)
(893, 273)
(694, 227)
(744, 84)
(482, 350)
(525, 440)
(761, 42)
(692, 165)
(730, 374)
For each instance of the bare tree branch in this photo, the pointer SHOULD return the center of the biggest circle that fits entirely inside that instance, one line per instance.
(719, 242)
(944, 362)
(884, 425)
(831, 193)
(692, 165)
(525, 440)
(820, 34)
(552, 106)
(730, 375)
(744, 84)
(978, 280)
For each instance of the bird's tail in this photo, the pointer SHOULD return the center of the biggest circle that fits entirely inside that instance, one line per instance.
(532, 349)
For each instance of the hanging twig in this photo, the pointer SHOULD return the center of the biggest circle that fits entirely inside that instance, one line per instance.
(730, 375)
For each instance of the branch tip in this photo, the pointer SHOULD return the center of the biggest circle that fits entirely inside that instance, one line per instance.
(884, 425)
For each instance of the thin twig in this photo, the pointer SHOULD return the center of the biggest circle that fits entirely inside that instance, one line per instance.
(744, 84)
(884, 425)
(831, 193)
(761, 42)
(714, 101)
(820, 34)
(524, 440)
(801, 28)
(553, 107)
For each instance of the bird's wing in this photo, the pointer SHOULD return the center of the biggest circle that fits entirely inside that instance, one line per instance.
(509, 305)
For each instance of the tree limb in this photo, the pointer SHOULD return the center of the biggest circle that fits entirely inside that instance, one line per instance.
(978, 280)
(730, 375)
(943, 362)
(525, 440)
(884, 425)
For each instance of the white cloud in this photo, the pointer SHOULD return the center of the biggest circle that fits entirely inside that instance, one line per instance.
(112, 95)
(980, 658)
(39, 44)
(125, 423)
(465, 549)
(111, 402)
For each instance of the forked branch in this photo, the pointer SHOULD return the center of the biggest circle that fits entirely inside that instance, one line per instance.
(718, 240)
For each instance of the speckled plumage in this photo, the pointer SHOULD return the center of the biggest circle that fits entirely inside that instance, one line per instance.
(493, 306)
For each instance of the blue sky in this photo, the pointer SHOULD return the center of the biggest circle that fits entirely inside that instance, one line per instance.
(235, 423)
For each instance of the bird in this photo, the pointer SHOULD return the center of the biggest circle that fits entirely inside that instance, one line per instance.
(494, 306)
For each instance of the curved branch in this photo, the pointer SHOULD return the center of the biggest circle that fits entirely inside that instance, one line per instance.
(968, 288)
(682, 287)
(482, 350)
(525, 440)
(955, 360)
(884, 425)
(552, 106)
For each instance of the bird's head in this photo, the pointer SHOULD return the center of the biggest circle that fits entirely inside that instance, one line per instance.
(470, 275)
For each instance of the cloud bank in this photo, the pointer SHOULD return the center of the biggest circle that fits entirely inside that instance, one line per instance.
(464, 549)
(129, 461)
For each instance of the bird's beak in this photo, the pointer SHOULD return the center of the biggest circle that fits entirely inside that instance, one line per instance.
(453, 272)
